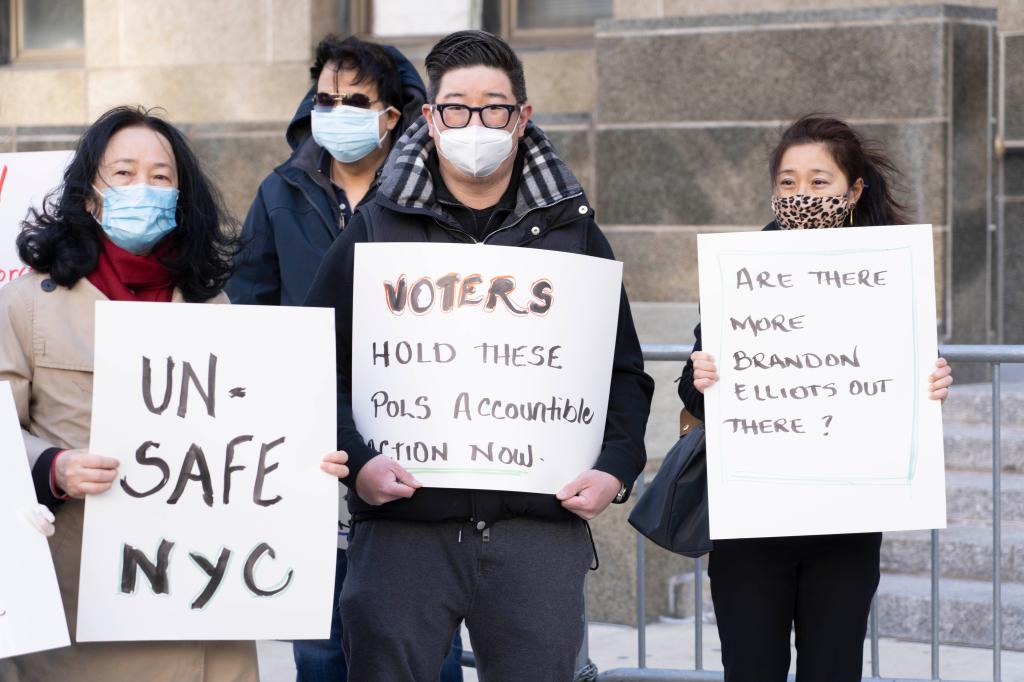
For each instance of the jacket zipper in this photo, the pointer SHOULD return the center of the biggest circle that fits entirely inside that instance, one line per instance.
(528, 212)
(474, 240)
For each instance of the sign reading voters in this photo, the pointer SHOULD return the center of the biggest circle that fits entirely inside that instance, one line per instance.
(31, 613)
(25, 180)
(220, 524)
(821, 422)
(483, 366)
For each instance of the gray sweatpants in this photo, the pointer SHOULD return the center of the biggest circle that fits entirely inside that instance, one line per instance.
(518, 585)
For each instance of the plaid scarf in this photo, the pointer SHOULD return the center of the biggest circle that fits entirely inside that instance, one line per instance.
(546, 179)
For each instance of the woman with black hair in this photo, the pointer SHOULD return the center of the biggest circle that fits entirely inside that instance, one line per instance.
(824, 175)
(134, 220)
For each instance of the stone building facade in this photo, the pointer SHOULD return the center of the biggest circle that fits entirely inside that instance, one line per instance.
(665, 109)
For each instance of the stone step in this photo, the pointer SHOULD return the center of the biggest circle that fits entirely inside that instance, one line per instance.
(969, 446)
(972, 404)
(965, 611)
(965, 552)
(969, 497)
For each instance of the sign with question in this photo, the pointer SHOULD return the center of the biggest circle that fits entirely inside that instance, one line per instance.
(31, 614)
(483, 367)
(820, 422)
(25, 180)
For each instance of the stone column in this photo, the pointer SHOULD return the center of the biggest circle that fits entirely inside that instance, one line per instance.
(689, 107)
(1011, 33)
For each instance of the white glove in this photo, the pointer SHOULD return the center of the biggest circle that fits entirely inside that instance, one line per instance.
(40, 518)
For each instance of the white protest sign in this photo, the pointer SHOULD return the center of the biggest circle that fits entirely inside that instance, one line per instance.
(221, 524)
(821, 422)
(483, 366)
(31, 614)
(25, 180)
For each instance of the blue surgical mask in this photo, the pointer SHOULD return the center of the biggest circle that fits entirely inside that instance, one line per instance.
(137, 217)
(348, 133)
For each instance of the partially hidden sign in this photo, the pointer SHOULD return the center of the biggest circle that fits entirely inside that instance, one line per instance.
(25, 180)
(483, 367)
(220, 524)
(821, 422)
(31, 614)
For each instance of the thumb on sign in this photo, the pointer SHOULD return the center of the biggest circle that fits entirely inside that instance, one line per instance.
(382, 480)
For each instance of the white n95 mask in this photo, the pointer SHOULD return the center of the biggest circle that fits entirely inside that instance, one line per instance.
(477, 150)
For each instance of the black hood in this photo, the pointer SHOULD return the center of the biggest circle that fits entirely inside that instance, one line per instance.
(414, 94)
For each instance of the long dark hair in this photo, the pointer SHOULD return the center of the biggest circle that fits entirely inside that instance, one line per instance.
(64, 240)
(857, 157)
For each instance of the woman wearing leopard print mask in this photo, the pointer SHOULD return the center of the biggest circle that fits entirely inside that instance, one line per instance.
(824, 175)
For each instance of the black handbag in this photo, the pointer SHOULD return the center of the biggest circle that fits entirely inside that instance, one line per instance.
(673, 510)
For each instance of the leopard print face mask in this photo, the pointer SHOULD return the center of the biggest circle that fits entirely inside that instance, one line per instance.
(805, 212)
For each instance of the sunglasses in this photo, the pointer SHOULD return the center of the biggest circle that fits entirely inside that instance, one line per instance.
(325, 101)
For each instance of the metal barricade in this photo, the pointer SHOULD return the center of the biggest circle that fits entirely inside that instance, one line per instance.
(988, 354)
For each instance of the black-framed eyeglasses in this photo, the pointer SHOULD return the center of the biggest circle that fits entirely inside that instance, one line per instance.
(491, 116)
(325, 101)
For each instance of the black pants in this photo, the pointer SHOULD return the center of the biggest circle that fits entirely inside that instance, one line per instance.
(822, 583)
(518, 586)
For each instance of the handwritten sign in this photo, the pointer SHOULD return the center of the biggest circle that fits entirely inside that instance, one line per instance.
(25, 179)
(821, 421)
(31, 614)
(220, 524)
(483, 366)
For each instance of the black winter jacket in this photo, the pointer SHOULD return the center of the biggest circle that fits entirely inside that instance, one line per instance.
(550, 212)
(295, 217)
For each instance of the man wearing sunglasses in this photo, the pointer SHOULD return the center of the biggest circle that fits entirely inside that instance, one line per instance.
(511, 565)
(363, 97)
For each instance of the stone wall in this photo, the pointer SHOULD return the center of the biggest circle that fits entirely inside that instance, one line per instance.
(667, 116)
(1011, 25)
(650, 9)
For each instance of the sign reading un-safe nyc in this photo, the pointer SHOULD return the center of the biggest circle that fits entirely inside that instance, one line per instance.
(821, 422)
(483, 366)
(220, 524)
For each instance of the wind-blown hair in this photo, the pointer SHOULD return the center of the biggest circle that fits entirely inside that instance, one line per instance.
(370, 61)
(64, 240)
(857, 157)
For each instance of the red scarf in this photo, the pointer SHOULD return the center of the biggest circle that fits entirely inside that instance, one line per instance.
(123, 276)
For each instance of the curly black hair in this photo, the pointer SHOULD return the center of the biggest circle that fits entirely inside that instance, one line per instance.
(64, 240)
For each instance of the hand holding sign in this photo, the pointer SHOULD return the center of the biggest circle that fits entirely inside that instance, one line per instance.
(940, 380)
(333, 464)
(589, 494)
(79, 472)
(384, 480)
(40, 518)
(705, 374)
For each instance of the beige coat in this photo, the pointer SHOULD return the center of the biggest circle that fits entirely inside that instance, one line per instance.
(46, 353)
